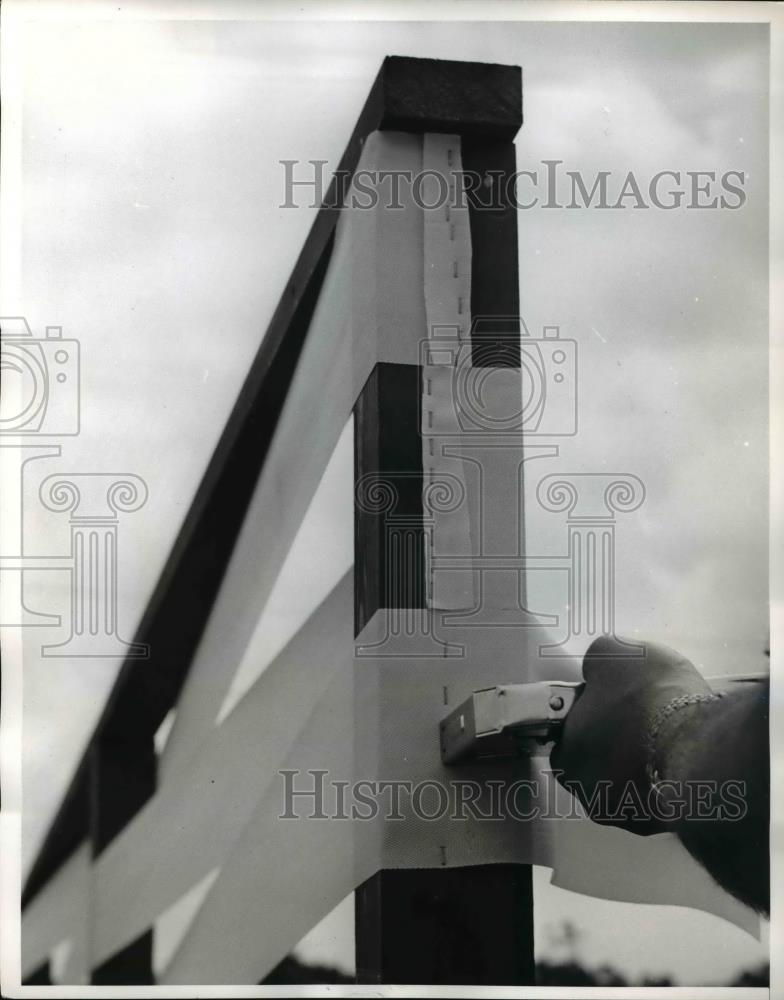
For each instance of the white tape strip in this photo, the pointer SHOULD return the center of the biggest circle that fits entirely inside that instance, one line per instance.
(637, 869)
(370, 309)
(190, 826)
(283, 875)
(447, 283)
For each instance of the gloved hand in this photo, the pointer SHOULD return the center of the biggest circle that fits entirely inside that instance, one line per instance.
(604, 745)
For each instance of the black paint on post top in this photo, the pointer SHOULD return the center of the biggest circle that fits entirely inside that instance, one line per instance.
(483, 100)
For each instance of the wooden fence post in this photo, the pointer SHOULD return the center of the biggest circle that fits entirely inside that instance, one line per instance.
(469, 925)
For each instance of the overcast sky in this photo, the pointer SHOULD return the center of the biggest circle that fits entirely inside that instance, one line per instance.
(153, 234)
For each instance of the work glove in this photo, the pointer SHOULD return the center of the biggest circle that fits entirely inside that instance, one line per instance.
(615, 735)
